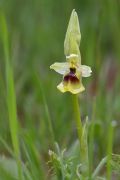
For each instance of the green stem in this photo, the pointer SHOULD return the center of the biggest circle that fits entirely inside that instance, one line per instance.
(82, 135)
(91, 139)
(111, 125)
(109, 150)
(77, 117)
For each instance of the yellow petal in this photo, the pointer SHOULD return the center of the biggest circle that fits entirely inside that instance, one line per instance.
(61, 87)
(85, 70)
(60, 68)
(73, 88)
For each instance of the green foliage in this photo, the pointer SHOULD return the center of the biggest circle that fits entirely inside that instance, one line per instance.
(115, 163)
(65, 164)
(36, 31)
(10, 97)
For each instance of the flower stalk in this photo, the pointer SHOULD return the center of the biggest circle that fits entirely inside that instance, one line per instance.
(82, 136)
(77, 116)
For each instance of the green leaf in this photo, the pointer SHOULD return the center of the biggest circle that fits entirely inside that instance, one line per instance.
(115, 163)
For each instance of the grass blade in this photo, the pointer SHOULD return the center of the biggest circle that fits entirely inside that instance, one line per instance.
(11, 98)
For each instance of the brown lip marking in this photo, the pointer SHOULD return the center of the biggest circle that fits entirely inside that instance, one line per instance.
(71, 76)
(72, 70)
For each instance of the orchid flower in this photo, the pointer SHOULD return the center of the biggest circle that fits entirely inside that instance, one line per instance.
(72, 70)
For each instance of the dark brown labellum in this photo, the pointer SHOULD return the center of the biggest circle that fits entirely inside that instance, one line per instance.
(71, 76)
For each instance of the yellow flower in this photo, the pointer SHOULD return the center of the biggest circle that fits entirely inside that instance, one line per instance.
(72, 70)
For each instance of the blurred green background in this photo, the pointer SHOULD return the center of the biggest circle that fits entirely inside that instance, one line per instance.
(36, 35)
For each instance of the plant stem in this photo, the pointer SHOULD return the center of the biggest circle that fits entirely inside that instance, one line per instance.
(91, 139)
(82, 135)
(109, 150)
(77, 117)
(111, 125)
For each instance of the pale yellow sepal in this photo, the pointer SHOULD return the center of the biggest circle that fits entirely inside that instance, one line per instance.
(85, 70)
(60, 68)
